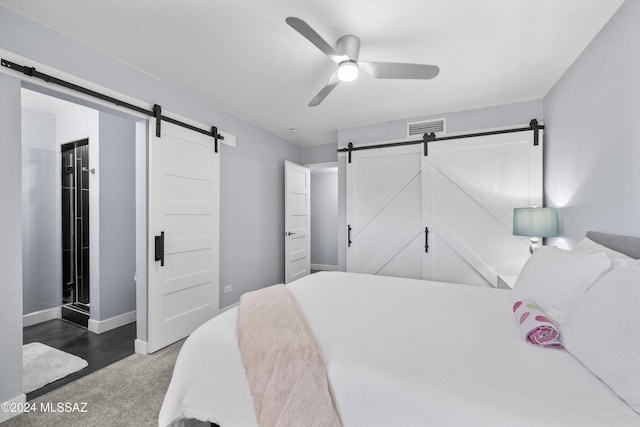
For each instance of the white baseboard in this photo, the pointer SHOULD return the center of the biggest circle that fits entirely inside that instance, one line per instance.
(100, 326)
(41, 316)
(323, 267)
(141, 347)
(18, 401)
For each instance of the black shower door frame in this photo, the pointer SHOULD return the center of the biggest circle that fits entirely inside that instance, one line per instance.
(75, 222)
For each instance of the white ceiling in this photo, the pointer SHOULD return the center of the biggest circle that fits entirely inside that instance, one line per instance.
(241, 56)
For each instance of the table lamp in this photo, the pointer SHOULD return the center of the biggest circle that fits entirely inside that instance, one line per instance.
(535, 222)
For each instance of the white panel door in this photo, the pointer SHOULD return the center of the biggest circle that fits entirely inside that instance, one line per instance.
(384, 212)
(184, 174)
(297, 213)
(470, 187)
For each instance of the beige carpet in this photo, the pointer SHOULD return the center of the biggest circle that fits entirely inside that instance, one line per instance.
(126, 393)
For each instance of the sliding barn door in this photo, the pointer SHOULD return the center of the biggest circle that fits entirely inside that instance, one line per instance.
(184, 175)
(470, 187)
(384, 212)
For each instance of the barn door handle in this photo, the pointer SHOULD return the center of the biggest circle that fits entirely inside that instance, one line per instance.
(160, 248)
(426, 240)
(348, 236)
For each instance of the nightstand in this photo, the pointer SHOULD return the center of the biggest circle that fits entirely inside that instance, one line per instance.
(506, 281)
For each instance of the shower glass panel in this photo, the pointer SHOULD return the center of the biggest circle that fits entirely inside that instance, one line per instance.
(75, 229)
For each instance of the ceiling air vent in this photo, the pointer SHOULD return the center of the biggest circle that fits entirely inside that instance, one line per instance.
(420, 128)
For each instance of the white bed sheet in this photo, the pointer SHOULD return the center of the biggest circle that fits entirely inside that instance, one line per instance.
(407, 353)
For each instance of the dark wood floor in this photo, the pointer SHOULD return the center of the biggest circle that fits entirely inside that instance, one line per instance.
(99, 350)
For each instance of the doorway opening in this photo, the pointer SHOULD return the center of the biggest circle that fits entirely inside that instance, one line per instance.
(324, 216)
(80, 227)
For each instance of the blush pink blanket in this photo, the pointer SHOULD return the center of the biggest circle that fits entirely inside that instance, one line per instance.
(283, 363)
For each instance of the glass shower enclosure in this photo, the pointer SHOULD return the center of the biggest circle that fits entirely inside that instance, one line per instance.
(75, 232)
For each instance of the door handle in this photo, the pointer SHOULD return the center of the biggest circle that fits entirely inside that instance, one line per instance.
(426, 240)
(159, 252)
(348, 236)
(288, 233)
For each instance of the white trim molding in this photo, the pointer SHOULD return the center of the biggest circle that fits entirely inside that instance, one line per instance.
(15, 402)
(100, 326)
(323, 267)
(141, 347)
(41, 316)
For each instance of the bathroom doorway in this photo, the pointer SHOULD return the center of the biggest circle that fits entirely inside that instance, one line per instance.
(78, 230)
(79, 213)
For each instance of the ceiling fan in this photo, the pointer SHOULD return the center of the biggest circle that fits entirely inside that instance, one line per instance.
(346, 55)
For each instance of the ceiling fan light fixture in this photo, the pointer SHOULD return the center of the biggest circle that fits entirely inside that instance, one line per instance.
(347, 54)
(348, 71)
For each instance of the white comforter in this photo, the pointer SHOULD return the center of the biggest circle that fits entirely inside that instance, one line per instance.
(403, 352)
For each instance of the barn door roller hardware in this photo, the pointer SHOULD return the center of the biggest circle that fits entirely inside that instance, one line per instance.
(156, 112)
(427, 138)
(430, 137)
(535, 127)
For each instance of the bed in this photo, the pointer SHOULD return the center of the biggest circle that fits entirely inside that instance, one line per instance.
(408, 352)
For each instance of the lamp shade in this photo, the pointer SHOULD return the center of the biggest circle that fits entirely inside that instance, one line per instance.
(538, 222)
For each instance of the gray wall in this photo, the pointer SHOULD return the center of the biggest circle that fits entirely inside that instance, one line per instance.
(11, 242)
(41, 228)
(252, 211)
(319, 154)
(462, 121)
(324, 216)
(117, 217)
(592, 119)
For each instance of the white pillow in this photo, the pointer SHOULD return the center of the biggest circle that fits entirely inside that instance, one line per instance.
(603, 332)
(618, 259)
(556, 279)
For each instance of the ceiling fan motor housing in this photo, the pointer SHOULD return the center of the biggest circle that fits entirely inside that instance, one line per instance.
(350, 46)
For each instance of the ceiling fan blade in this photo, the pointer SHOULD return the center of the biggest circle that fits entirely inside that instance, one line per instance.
(310, 34)
(331, 85)
(396, 70)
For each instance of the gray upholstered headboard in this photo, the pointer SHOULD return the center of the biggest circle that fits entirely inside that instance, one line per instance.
(627, 245)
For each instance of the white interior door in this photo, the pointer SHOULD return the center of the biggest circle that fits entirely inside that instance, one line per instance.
(184, 174)
(384, 212)
(297, 213)
(470, 187)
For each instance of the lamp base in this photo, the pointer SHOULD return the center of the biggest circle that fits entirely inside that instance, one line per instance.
(534, 244)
